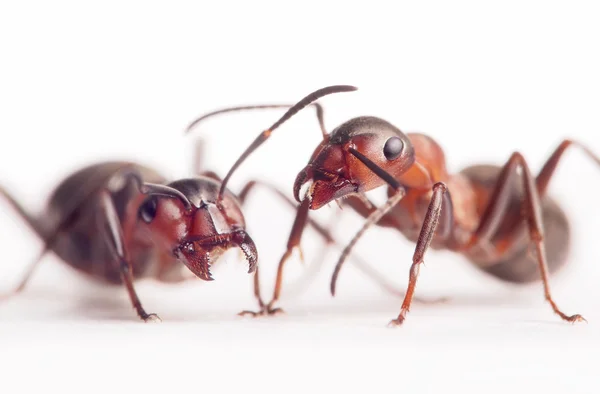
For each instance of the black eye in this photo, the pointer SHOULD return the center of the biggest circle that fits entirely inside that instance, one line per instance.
(393, 148)
(147, 210)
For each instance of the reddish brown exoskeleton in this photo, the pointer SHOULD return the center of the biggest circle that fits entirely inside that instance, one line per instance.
(492, 215)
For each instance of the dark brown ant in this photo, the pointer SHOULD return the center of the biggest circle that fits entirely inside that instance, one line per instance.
(491, 215)
(119, 222)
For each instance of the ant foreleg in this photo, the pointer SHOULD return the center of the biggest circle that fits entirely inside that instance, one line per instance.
(117, 246)
(427, 231)
(293, 242)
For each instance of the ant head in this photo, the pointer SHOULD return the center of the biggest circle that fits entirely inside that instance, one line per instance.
(193, 226)
(335, 171)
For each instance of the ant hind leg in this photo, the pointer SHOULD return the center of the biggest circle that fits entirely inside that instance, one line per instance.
(34, 225)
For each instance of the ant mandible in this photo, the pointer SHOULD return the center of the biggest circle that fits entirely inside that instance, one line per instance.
(481, 212)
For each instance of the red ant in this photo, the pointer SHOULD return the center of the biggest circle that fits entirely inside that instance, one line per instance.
(119, 222)
(482, 212)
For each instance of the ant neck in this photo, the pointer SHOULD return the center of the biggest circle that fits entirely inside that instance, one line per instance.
(429, 166)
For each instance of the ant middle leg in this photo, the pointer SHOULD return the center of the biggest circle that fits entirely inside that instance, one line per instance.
(534, 189)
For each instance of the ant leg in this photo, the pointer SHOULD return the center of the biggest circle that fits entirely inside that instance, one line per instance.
(362, 266)
(365, 208)
(34, 225)
(30, 220)
(545, 174)
(294, 289)
(532, 214)
(117, 246)
(21, 286)
(257, 295)
(492, 216)
(293, 242)
(427, 231)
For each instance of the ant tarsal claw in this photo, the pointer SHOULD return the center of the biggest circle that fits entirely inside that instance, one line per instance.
(152, 318)
(396, 322)
(576, 319)
(266, 310)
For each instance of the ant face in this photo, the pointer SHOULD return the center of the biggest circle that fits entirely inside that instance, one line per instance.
(199, 234)
(335, 172)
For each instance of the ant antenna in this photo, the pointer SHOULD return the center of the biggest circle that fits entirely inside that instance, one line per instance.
(262, 137)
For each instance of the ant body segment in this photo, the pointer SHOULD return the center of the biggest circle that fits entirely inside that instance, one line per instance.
(491, 215)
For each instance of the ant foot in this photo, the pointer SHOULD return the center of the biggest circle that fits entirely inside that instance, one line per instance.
(399, 320)
(575, 319)
(266, 310)
(151, 318)
(396, 322)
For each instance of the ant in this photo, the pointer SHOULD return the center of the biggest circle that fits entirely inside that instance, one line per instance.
(119, 222)
(491, 215)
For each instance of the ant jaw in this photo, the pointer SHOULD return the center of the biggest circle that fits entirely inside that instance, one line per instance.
(199, 254)
(321, 193)
(246, 244)
(198, 260)
(303, 183)
(321, 187)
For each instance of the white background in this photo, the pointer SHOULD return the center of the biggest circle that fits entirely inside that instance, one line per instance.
(80, 83)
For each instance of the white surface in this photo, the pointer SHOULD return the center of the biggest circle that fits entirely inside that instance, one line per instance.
(82, 83)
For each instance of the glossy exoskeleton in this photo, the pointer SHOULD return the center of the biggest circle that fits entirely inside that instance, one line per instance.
(498, 217)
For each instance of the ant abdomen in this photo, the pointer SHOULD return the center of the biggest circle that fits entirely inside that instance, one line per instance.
(518, 264)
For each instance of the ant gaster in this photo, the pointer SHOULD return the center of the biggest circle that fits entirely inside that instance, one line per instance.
(494, 216)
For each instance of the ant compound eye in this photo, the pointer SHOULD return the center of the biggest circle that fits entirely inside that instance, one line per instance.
(147, 210)
(393, 148)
